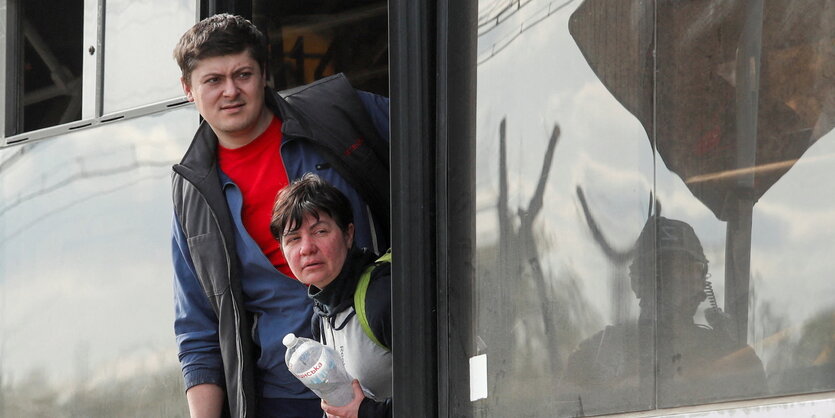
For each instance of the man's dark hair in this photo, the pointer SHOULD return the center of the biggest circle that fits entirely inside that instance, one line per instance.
(309, 195)
(214, 36)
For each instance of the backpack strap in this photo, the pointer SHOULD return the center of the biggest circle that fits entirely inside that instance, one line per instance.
(359, 297)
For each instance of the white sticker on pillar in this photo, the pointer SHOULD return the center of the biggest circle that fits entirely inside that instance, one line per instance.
(478, 377)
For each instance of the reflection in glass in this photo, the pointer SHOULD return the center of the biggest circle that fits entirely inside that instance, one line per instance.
(51, 64)
(311, 40)
(693, 363)
(722, 114)
(85, 280)
(741, 103)
(138, 67)
(544, 283)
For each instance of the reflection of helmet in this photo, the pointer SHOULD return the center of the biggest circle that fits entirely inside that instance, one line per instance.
(661, 235)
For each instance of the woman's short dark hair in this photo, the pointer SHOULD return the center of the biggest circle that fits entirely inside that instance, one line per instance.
(309, 195)
(214, 36)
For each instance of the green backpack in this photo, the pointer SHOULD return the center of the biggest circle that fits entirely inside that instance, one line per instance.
(359, 297)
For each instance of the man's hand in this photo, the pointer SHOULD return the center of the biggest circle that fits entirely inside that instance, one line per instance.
(351, 410)
(205, 401)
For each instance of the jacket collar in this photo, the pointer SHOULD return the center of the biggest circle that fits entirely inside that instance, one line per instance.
(200, 160)
(339, 294)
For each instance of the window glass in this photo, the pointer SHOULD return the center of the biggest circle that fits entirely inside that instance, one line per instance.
(744, 132)
(653, 216)
(85, 271)
(564, 179)
(51, 63)
(313, 39)
(139, 42)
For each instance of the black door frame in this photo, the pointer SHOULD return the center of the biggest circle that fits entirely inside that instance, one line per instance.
(432, 84)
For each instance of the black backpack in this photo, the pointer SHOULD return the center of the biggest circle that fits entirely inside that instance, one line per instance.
(346, 137)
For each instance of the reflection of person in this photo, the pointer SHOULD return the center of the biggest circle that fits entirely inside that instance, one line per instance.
(313, 222)
(235, 297)
(692, 363)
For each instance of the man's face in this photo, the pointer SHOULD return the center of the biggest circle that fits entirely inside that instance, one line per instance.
(228, 91)
(317, 250)
(683, 283)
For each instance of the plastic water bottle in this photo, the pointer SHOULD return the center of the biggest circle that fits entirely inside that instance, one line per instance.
(320, 368)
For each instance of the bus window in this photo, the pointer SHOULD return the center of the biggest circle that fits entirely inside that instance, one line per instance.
(313, 39)
(48, 58)
(653, 204)
(138, 66)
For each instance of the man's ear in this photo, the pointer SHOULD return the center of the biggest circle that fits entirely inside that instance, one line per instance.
(186, 89)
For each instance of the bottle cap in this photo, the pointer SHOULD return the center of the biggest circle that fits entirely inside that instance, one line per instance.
(289, 340)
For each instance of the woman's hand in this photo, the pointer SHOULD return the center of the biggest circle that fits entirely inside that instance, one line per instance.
(351, 410)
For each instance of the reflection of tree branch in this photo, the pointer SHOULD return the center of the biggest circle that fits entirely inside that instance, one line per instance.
(526, 242)
(13, 158)
(616, 256)
(618, 283)
(535, 204)
(83, 174)
(526, 238)
(7, 238)
(502, 204)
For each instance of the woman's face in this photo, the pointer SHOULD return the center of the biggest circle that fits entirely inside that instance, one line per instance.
(316, 251)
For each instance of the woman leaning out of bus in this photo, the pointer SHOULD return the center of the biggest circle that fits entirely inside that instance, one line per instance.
(312, 221)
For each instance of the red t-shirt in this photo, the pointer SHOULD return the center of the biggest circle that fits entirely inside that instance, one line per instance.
(259, 172)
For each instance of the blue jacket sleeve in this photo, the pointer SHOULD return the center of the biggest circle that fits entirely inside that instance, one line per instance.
(378, 108)
(195, 323)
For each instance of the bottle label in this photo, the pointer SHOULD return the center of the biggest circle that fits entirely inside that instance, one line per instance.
(318, 373)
